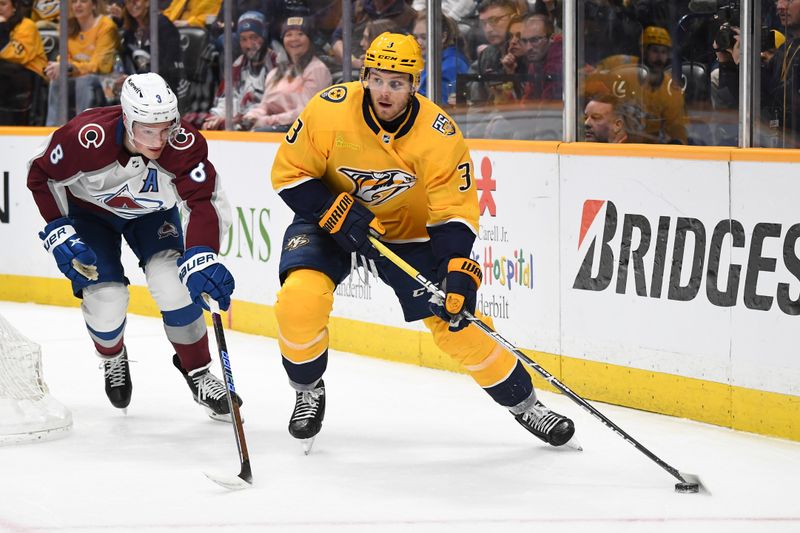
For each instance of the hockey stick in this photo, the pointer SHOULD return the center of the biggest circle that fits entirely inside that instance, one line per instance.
(687, 482)
(245, 477)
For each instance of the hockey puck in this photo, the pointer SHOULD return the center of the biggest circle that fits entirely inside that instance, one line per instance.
(687, 488)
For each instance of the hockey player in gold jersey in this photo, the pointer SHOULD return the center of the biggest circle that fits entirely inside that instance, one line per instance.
(373, 157)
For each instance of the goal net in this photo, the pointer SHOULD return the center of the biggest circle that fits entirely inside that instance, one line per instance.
(27, 411)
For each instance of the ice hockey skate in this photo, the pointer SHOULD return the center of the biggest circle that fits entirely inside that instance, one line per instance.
(117, 374)
(309, 411)
(549, 426)
(208, 390)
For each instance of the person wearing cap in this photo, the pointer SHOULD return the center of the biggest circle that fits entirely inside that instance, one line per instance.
(660, 96)
(373, 158)
(646, 84)
(249, 72)
(289, 86)
(135, 52)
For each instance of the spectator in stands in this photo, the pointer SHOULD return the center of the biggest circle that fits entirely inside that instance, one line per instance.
(543, 52)
(22, 59)
(249, 72)
(135, 51)
(371, 31)
(495, 19)
(606, 121)
(289, 86)
(552, 9)
(646, 82)
(661, 98)
(513, 61)
(92, 44)
(461, 12)
(398, 11)
(195, 13)
(453, 60)
(780, 80)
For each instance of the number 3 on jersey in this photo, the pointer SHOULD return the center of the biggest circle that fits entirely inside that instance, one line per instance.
(291, 136)
(466, 175)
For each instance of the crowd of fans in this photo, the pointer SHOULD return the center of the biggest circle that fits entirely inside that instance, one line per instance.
(651, 71)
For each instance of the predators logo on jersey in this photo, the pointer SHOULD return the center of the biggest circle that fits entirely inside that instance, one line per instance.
(375, 187)
(335, 94)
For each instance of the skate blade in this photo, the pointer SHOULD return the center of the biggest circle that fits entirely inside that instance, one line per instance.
(218, 417)
(573, 444)
(307, 444)
(230, 483)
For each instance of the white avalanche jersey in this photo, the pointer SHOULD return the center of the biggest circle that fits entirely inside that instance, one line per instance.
(85, 163)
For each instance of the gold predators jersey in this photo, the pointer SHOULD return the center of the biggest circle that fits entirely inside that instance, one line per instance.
(421, 175)
(25, 47)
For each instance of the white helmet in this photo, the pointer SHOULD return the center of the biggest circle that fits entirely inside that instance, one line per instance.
(147, 99)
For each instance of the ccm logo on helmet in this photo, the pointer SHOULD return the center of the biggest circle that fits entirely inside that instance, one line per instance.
(91, 135)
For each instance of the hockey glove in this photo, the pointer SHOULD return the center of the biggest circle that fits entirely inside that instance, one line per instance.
(202, 273)
(350, 224)
(74, 259)
(460, 285)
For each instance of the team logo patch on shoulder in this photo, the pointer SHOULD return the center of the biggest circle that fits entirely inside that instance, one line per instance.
(335, 94)
(375, 187)
(443, 125)
(91, 135)
(296, 242)
(182, 140)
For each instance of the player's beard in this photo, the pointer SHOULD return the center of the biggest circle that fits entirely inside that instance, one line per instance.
(388, 114)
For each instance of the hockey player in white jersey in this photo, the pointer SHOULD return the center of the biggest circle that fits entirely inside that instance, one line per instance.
(120, 172)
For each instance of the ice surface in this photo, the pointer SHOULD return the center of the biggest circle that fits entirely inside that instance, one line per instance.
(402, 449)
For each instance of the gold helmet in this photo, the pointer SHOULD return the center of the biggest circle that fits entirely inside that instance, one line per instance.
(395, 52)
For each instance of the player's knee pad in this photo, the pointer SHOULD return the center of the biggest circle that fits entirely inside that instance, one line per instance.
(302, 309)
(165, 286)
(486, 361)
(104, 308)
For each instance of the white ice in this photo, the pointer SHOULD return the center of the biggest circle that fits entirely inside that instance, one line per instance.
(402, 449)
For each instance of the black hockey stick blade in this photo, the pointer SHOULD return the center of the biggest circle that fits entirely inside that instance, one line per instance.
(691, 484)
(243, 481)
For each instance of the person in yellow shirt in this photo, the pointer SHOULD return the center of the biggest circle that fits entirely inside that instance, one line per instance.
(194, 13)
(92, 44)
(22, 58)
(373, 157)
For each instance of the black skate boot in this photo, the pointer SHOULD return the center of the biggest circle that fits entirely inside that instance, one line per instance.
(117, 374)
(309, 411)
(208, 390)
(549, 426)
